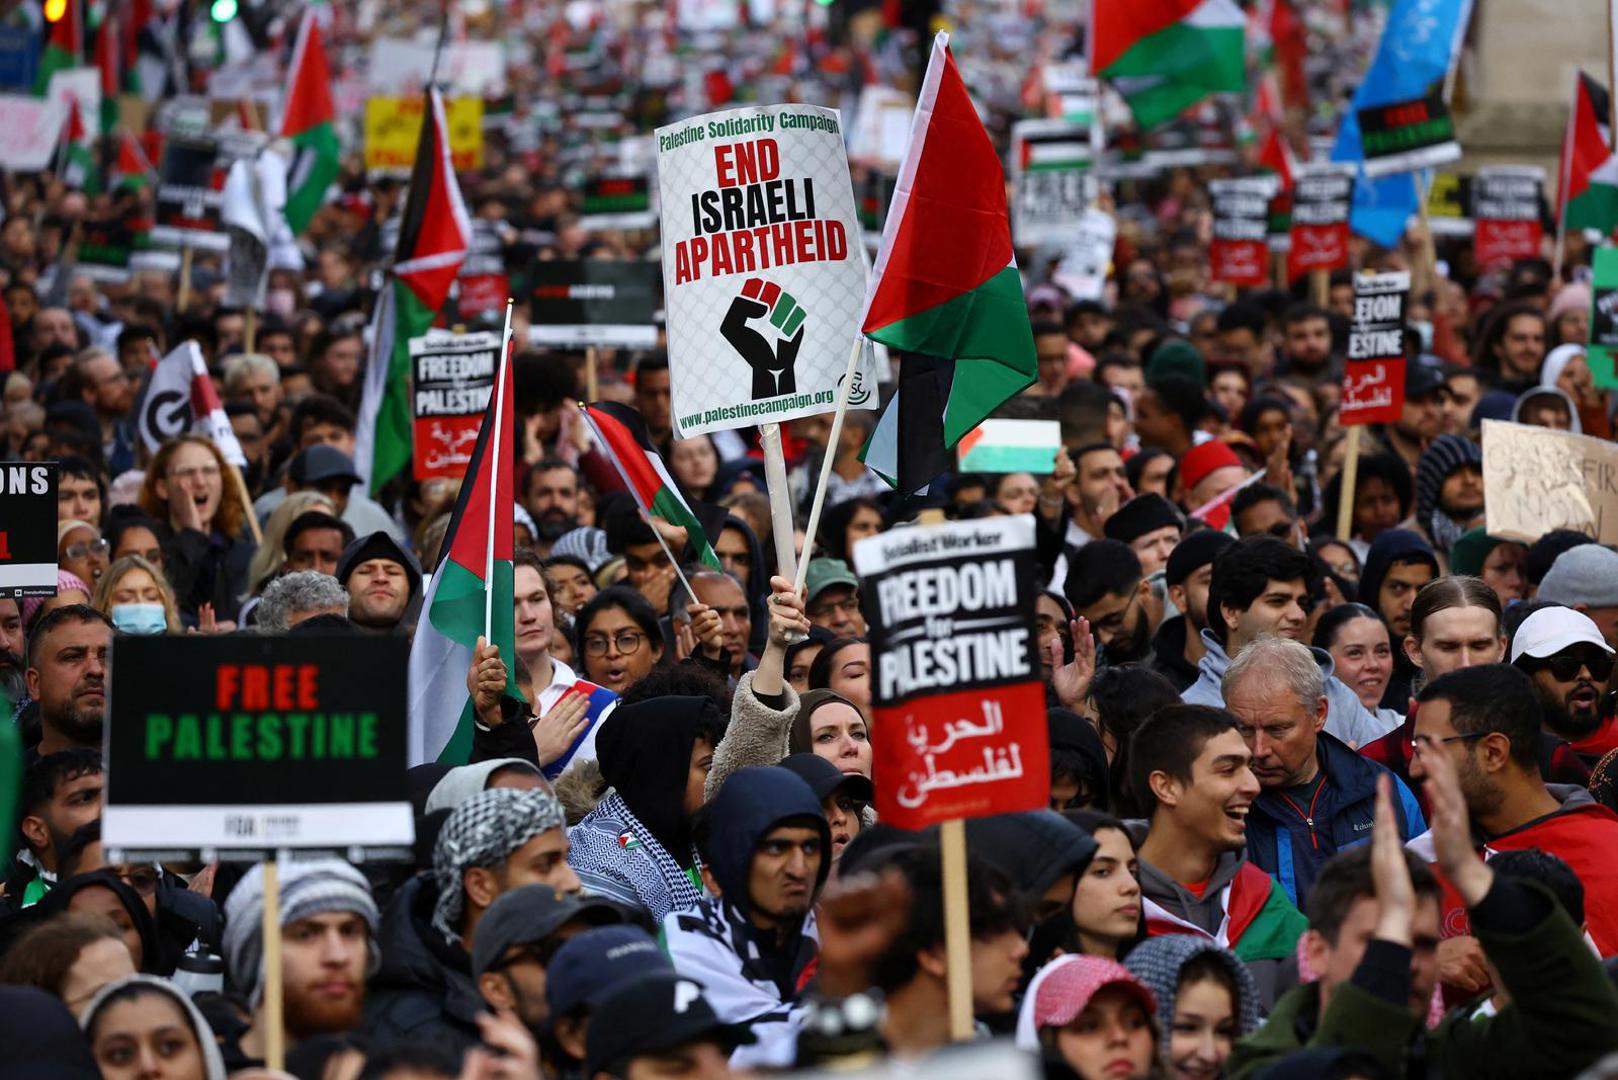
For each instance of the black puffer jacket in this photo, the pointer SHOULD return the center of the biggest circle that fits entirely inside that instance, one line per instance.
(424, 991)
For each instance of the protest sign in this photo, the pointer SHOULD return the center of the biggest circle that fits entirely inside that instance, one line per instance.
(393, 129)
(106, 246)
(464, 68)
(483, 283)
(617, 202)
(578, 302)
(269, 742)
(1088, 257)
(1538, 479)
(1239, 251)
(763, 277)
(1004, 445)
(959, 709)
(1407, 135)
(1052, 178)
(189, 194)
(27, 529)
(1071, 93)
(1322, 196)
(452, 377)
(1374, 372)
(1449, 202)
(32, 126)
(1604, 318)
(1506, 206)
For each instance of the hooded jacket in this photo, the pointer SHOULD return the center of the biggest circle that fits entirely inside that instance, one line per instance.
(757, 587)
(1033, 848)
(1346, 718)
(1292, 843)
(1446, 454)
(155, 958)
(424, 990)
(1158, 962)
(1394, 546)
(1073, 733)
(751, 976)
(213, 1061)
(40, 1040)
(1168, 653)
(380, 545)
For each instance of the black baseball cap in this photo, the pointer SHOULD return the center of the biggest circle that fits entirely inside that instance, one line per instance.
(655, 1012)
(825, 778)
(321, 462)
(592, 964)
(529, 914)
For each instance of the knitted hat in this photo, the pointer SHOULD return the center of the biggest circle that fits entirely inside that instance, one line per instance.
(1446, 455)
(65, 580)
(1158, 962)
(482, 831)
(1587, 574)
(1468, 554)
(1197, 462)
(1141, 515)
(314, 887)
(1193, 553)
(1176, 357)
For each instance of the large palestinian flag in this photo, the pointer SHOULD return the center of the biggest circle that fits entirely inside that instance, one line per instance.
(476, 561)
(1589, 180)
(434, 236)
(1166, 55)
(309, 119)
(64, 46)
(623, 436)
(946, 285)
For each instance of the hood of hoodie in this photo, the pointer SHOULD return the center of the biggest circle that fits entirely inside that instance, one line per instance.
(644, 749)
(415, 956)
(41, 1038)
(1392, 546)
(1205, 911)
(1214, 661)
(154, 961)
(213, 1061)
(1070, 731)
(1033, 848)
(379, 545)
(1158, 961)
(752, 801)
(465, 781)
(1549, 391)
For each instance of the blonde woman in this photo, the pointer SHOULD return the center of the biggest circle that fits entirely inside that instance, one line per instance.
(206, 543)
(136, 596)
(269, 560)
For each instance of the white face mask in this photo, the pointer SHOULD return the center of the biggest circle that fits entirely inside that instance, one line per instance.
(145, 619)
(281, 302)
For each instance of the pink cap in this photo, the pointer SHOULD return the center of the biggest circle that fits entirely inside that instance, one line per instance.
(1066, 990)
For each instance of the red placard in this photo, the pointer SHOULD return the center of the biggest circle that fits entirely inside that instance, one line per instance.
(1373, 392)
(1374, 373)
(1239, 262)
(1317, 247)
(1506, 241)
(483, 293)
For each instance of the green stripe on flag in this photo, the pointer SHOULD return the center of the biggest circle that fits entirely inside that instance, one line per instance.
(314, 170)
(1163, 74)
(395, 424)
(668, 506)
(457, 613)
(1595, 208)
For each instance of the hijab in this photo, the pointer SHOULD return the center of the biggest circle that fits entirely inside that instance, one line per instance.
(802, 738)
(153, 962)
(213, 1061)
(42, 1041)
(644, 750)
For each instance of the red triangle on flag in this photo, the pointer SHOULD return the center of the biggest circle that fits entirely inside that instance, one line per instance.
(308, 102)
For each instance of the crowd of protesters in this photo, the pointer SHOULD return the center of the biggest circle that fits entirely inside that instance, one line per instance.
(1321, 805)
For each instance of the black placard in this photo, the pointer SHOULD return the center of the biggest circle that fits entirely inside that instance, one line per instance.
(595, 302)
(27, 529)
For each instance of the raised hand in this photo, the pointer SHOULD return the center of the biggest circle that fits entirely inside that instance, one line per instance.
(707, 629)
(1071, 680)
(1452, 829)
(1395, 896)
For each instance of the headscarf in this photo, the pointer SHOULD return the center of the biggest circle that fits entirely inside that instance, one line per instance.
(308, 887)
(1557, 359)
(1071, 981)
(644, 750)
(587, 543)
(1437, 463)
(801, 740)
(213, 1061)
(1073, 732)
(484, 830)
(1552, 390)
(42, 1040)
(153, 961)
(1158, 961)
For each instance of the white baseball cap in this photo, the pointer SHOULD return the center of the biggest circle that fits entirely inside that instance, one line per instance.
(1550, 630)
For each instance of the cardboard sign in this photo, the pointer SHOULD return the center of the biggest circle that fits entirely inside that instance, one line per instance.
(618, 202)
(1506, 201)
(1537, 479)
(578, 302)
(1604, 318)
(189, 195)
(1052, 176)
(452, 376)
(32, 126)
(762, 271)
(959, 725)
(1374, 372)
(1322, 196)
(1239, 252)
(1408, 135)
(27, 529)
(393, 128)
(267, 743)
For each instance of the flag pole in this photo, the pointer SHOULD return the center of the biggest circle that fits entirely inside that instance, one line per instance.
(1566, 166)
(494, 445)
(813, 524)
(775, 478)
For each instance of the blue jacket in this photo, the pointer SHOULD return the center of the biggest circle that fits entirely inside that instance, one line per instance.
(1280, 841)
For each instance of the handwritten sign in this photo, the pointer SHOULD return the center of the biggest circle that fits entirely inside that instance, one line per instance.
(1537, 479)
(1322, 196)
(453, 375)
(32, 126)
(27, 529)
(1374, 374)
(1239, 252)
(1506, 203)
(959, 728)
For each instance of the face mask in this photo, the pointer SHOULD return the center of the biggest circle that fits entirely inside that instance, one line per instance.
(140, 618)
(281, 301)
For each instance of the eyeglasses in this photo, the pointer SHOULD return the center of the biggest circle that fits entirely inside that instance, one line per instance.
(143, 879)
(88, 547)
(1564, 666)
(210, 472)
(627, 642)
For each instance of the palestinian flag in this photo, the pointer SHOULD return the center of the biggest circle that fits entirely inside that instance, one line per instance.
(434, 236)
(622, 432)
(132, 169)
(946, 285)
(1260, 923)
(64, 46)
(309, 120)
(109, 63)
(1589, 180)
(79, 168)
(476, 562)
(1166, 55)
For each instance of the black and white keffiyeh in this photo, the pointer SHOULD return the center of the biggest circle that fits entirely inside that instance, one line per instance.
(484, 830)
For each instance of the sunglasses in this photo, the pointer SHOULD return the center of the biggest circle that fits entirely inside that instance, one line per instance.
(1564, 666)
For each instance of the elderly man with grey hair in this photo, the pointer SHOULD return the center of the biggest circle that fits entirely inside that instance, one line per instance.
(1318, 796)
(302, 594)
(253, 378)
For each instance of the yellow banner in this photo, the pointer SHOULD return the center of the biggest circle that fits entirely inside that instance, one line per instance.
(393, 127)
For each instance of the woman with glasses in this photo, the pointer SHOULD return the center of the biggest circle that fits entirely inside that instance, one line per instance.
(81, 549)
(617, 638)
(207, 547)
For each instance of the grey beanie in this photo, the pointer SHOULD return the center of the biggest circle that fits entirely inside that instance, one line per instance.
(1587, 574)
(312, 887)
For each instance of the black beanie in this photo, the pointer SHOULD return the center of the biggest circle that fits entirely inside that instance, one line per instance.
(1193, 553)
(1141, 515)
